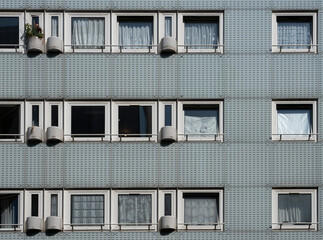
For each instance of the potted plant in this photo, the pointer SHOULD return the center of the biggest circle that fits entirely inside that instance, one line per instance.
(34, 38)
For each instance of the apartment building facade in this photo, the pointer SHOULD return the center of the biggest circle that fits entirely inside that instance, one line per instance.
(161, 119)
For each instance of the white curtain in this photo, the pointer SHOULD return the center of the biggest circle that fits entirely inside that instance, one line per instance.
(201, 34)
(88, 31)
(87, 209)
(296, 121)
(54, 205)
(135, 33)
(168, 26)
(134, 208)
(294, 208)
(8, 210)
(201, 121)
(200, 210)
(294, 33)
(54, 26)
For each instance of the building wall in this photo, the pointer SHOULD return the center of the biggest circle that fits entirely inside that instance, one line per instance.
(247, 165)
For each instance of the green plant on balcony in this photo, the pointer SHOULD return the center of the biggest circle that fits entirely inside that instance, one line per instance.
(33, 31)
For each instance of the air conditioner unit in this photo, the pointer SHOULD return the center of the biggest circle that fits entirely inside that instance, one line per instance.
(54, 223)
(168, 134)
(34, 224)
(55, 134)
(168, 45)
(167, 223)
(35, 134)
(54, 45)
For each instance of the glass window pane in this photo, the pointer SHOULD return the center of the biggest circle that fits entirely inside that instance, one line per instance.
(35, 115)
(54, 115)
(87, 209)
(35, 20)
(134, 208)
(293, 208)
(88, 32)
(8, 210)
(9, 31)
(135, 120)
(168, 115)
(54, 26)
(54, 205)
(201, 208)
(168, 204)
(34, 205)
(9, 121)
(168, 26)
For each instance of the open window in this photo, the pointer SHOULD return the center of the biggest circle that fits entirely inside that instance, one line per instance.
(200, 209)
(134, 32)
(294, 209)
(200, 120)
(294, 32)
(294, 120)
(11, 31)
(200, 32)
(11, 210)
(11, 121)
(87, 32)
(134, 210)
(85, 121)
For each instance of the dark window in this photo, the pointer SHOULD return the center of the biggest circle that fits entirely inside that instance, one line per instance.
(9, 121)
(34, 205)
(35, 115)
(9, 31)
(88, 120)
(35, 20)
(168, 115)
(135, 120)
(168, 204)
(8, 210)
(54, 115)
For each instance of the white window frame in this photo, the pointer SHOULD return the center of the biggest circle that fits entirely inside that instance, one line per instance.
(275, 223)
(68, 121)
(181, 121)
(29, 113)
(276, 137)
(115, 120)
(162, 105)
(47, 205)
(181, 32)
(68, 31)
(67, 209)
(162, 17)
(48, 24)
(48, 114)
(28, 202)
(115, 208)
(20, 210)
(115, 31)
(180, 210)
(22, 122)
(21, 17)
(161, 200)
(40, 15)
(276, 48)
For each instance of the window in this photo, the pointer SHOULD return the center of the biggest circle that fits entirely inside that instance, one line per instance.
(134, 32)
(53, 203)
(54, 114)
(34, 204)
(294, 120)
(86, 210)
(201, 120)
(11, 210)
(200, 209)
(167, 114)
(87, 121)
(11, 32)
(294, 209)
(87, 32)
(294, 32)
(34, 114)
(167, 203)
(134, 121)
(200, 32)
(167, 25)
(54, 24)
(11, 121)
(134, 210)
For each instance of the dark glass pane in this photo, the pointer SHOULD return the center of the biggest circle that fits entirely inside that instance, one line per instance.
(35, 20)
(135, 120)
(9, 120)
(54, 116)
(168, 204)
(88, 120)
(168, 115)
(9, 31)
(8, 202)
(35, 115)
(34, 205)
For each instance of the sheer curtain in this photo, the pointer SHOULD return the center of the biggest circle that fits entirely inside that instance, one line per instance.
(8, 210)
(201, 121)
(54, 205)
(168, 26)
(54, 26)
(296, 121)
(87, 209)
(87, 31)
(200, 210)
(134, 208)
(294, 208)
(135, 33)
(294, 33)
(201, 33)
